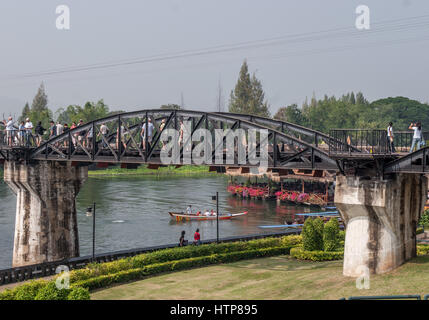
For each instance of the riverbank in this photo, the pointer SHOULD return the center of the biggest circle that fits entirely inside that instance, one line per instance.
(162, 171)
(280, 277)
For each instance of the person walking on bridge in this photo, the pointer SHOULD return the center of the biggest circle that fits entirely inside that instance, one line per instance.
(390, 138)
(417, 137)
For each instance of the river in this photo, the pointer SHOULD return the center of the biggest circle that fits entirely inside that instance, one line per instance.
(132, 212)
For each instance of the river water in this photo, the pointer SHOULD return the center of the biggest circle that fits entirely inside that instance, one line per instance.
(132, 212)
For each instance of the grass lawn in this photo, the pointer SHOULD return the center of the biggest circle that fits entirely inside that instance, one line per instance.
(162, 171)
(276, 278)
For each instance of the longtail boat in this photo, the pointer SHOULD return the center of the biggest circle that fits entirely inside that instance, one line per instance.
(181, 216)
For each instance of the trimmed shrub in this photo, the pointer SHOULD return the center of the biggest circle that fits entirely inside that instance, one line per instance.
(50, 292)
(79, 293)
(331, 235)
(139, 261)
(99, 275)
(7, 294)
(424, 219)
(301, 254)
(294, 240)
(139, 273)
(29, 290)
(312, 234)
(422, 249)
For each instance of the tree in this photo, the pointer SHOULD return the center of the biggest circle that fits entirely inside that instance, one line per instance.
(248, 95)
(40, 101)
(89, 112)
(291, 114)
(258, 104)
(171, 106)
(25, 112)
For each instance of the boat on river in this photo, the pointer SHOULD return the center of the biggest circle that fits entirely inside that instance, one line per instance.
(181, 216)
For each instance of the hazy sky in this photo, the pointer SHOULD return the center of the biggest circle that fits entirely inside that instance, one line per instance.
(390, 59)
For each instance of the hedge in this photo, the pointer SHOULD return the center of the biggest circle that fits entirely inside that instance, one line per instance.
(177, 265)
(44, 290)
(98, 275)
(422, 249)
(179, 253)
(301, 254)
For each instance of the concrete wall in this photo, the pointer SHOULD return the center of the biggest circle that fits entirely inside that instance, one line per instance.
(46, 222)
(381, 218)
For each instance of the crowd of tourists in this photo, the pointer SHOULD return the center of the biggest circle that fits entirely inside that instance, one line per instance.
(26, 135)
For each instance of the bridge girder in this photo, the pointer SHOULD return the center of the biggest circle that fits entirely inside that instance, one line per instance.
(81, 145)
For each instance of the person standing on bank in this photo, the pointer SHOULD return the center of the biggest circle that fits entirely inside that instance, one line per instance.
(197, 237)
(390, 138)
(417, 137)
(182, 241)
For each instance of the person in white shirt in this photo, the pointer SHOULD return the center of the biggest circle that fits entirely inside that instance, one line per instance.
(103, 131)
(60, 128)
(207, 213)
(390, 138)
(417, 136)
(150, 128)
(189, 209)
(28, 131)
(9, 130)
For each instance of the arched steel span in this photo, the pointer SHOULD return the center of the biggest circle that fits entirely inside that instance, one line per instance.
(310, 135)
(81, 145)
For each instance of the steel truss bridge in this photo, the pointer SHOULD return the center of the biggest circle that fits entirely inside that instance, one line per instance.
(290, 146)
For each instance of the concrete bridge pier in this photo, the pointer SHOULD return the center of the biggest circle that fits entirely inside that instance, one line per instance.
(381, 217)
(46, 222)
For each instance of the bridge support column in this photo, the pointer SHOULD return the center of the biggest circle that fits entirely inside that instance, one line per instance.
(381, 218)
(46, 222)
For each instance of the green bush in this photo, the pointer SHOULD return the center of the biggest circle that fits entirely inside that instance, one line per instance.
(301, 254)
(98, 269)
(422, 249)
(51, 292)
(331, 232)
(78, 293)
(424, 219)
(7, 294)
(98, 275)
(312, 234)
(157, 268)
(29, 290)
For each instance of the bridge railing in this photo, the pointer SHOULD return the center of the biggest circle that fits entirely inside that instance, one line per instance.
(371, 141)
(17, 138)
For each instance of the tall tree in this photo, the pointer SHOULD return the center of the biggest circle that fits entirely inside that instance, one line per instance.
(248, 96)
(25, 112)
(40, 101)
(258, 104)
(240, 97)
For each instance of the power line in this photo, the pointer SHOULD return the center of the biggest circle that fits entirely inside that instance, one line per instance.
(412, 23)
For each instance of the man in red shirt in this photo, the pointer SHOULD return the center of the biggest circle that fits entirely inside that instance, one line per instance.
(197, 237)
